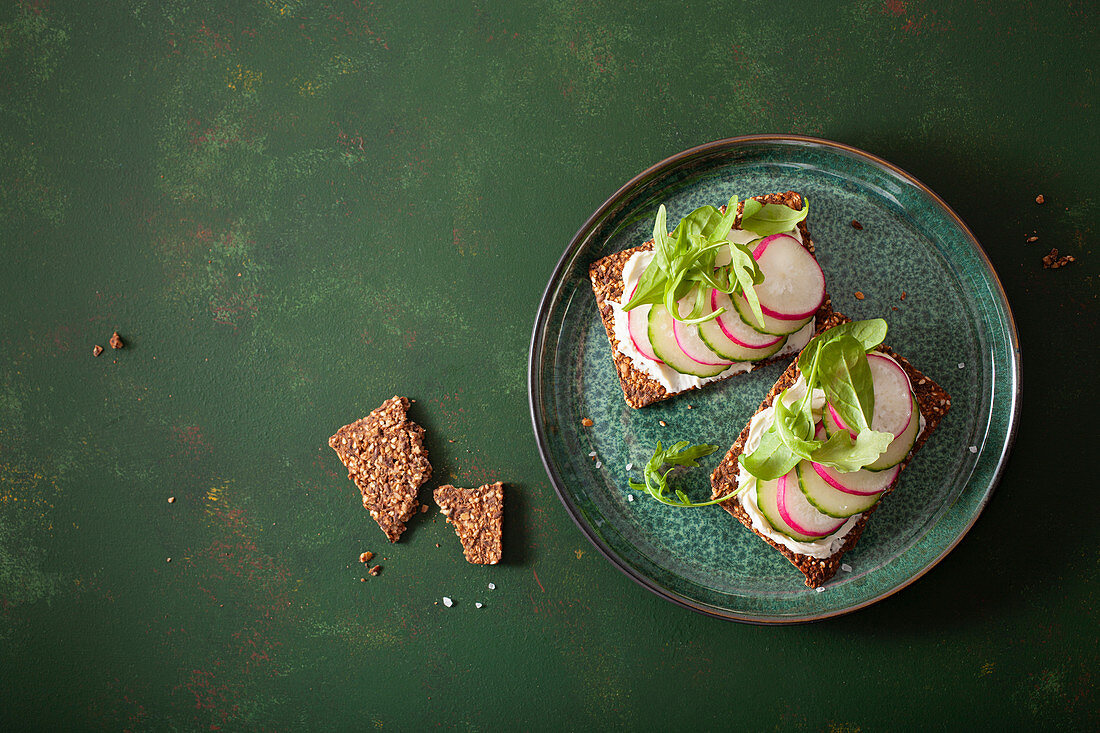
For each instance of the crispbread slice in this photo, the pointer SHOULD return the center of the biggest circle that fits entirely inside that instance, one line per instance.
(478, 518)
(385, 457)
(606, 274)
(934, 403)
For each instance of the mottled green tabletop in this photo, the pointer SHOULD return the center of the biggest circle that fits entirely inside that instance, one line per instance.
(291, 211)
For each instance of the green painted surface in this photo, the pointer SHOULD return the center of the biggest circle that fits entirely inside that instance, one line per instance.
(294, 210)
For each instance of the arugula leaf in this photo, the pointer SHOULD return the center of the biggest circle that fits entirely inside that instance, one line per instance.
(869, 333)
(772, 458)
(846, 378)
(773, 218)
(681, 453)
(844, 454)
(793, 426)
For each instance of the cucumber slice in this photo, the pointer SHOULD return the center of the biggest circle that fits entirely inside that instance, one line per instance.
(766, 502)
(774, 326)
(662, 336)
(829, 500)
(717, 339)
(899, 448)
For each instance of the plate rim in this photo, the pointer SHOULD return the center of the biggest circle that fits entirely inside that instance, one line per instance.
(670, 162)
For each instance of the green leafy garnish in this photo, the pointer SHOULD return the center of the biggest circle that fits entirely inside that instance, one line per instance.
(656, 476)
(771, 218)
(686, 260)
(836, 362)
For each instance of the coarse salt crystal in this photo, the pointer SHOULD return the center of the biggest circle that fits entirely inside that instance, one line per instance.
(845, 567)
(447, 602)
(630, 497)
(629, 466)
(492, 586)
(821, 589)
(477, 605)
(592, 454)
(962, 365)
(599, 464)
(973, 449)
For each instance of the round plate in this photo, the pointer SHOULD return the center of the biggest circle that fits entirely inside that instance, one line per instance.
(916, 265)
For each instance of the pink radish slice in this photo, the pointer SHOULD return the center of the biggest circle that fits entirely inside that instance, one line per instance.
(737, 330)
(687, 338)
(637, 325)
(858, 483)
(797, 512)
(893, 400)
(794, 285)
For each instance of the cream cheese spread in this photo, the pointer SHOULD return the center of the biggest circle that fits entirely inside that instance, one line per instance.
(669, 378)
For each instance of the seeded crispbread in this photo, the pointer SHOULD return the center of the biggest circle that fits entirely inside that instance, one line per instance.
(606, 274)
(934, 403)
(385, 457)
(478, 518)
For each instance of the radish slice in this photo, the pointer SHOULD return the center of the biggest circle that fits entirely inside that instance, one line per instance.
(893, 399)
(766, 503)
(772, 326)
(798, 513)
(858, 483)
(900, 447)
(828, 499)
(637, 325)
(737, 330)
(794, 285)
(689, 341)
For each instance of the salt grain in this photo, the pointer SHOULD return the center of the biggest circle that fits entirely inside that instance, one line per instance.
(599, 464)
(630, 497)
(592, 454)
(845, 567)
(962, 365)
(973, 449)
(477, 605)
(821, 589)
(492, 586)
(447, 602)
(629, 466)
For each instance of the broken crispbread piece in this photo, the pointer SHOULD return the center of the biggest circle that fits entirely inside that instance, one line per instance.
(385, 457)
(933, 403)
(478, 517)
(606, 274)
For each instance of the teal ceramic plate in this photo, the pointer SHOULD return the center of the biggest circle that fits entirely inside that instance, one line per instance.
(954, 324)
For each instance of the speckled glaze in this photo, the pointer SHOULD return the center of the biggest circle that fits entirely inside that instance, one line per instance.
(954, 324)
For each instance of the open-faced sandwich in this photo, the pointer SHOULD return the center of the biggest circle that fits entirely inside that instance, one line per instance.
(728, 290)
(828, 443)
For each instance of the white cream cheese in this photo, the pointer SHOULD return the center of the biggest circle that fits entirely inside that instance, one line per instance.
(760, 422)
(669, 378)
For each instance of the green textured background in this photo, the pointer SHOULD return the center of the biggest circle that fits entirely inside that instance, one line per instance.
(294, 210)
